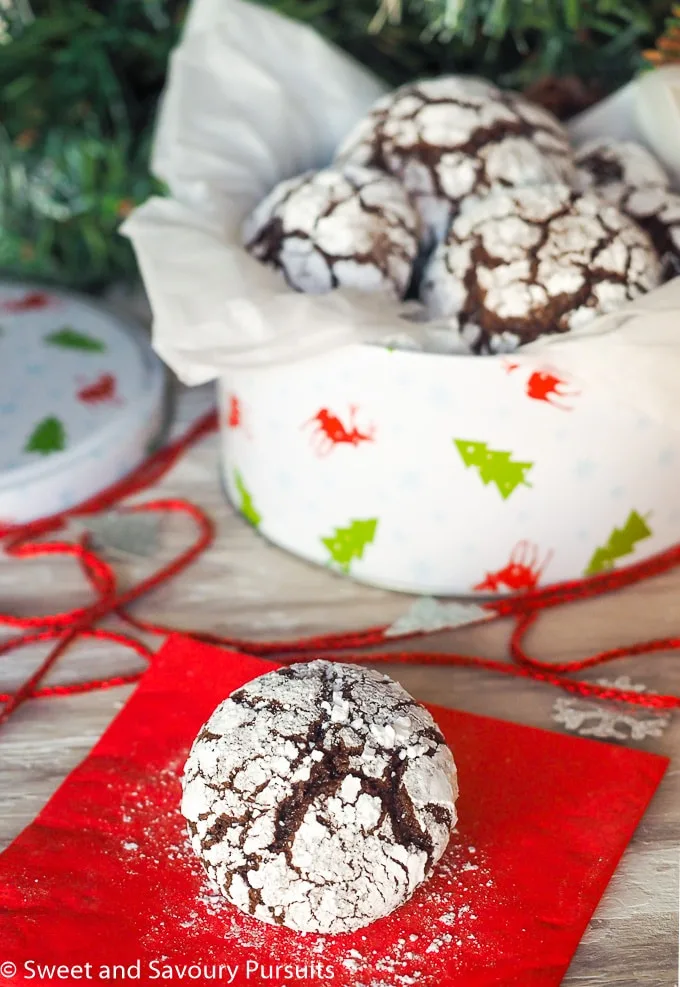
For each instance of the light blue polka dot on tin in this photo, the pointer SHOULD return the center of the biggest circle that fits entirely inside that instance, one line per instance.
(410, 480)
(617, 492)
(344, 376)
(68, 497)
(325, 479)
(440, 397)
(421, 569)
(584, 468)
(667, 456)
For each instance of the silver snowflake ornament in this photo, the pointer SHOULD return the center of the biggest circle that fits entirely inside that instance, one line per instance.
(607, 719)
(427, 615)
(123, 534)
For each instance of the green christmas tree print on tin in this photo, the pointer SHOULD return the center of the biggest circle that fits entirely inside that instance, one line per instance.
(621, 542)
(347, 544)
(245, 501)
(494, 466)
(48, 436)
(72, 339)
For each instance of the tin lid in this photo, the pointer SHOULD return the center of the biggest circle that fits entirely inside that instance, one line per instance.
(81, 396)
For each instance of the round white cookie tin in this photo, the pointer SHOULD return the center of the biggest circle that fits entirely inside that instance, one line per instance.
(81, 400)
(432, 473)
(447, 475)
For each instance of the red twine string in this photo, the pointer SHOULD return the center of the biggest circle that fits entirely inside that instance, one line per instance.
(64, 628)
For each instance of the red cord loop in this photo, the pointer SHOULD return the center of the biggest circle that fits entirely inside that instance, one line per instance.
(20, 542)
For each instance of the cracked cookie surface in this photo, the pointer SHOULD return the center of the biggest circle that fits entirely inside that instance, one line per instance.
(657, 210)
(456, 136)
(522, 264)
(319, 796)
(625, 174)
(354, 228)
(614, 168)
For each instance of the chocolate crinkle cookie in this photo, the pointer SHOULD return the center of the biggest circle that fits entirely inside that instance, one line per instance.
(353, 228)
(625, 174)
(658, 212)
(518, 265)
(615, 168)
(319, 796)
(456, 136)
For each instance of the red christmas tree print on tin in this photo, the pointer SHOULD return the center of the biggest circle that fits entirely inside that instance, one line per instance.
(521, 573)
(329, 431)
(31, 302)
(545, 385)
(548, 387)
(102, 390)
(234, 415)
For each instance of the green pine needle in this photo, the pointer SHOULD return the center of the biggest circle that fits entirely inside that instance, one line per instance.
(78, 91)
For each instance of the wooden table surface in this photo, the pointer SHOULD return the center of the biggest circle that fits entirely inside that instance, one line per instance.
(245, 587)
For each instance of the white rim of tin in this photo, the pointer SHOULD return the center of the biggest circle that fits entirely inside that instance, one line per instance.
(139, 412)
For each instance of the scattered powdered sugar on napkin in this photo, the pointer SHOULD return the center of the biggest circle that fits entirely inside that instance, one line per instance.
(444, 924)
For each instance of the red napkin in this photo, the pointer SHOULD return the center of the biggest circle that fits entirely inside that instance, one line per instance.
(105, 877)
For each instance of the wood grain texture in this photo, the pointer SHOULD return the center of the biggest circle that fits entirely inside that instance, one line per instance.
(245, 587)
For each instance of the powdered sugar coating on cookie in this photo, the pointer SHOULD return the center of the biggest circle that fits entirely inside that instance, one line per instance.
(319, 796)
(614, 168)
(354, 228)
(456, 136)
(657, 210)
(522, 264)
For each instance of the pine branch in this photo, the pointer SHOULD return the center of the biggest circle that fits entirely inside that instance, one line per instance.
(667, 49)
(516, 42)
(78, 90)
